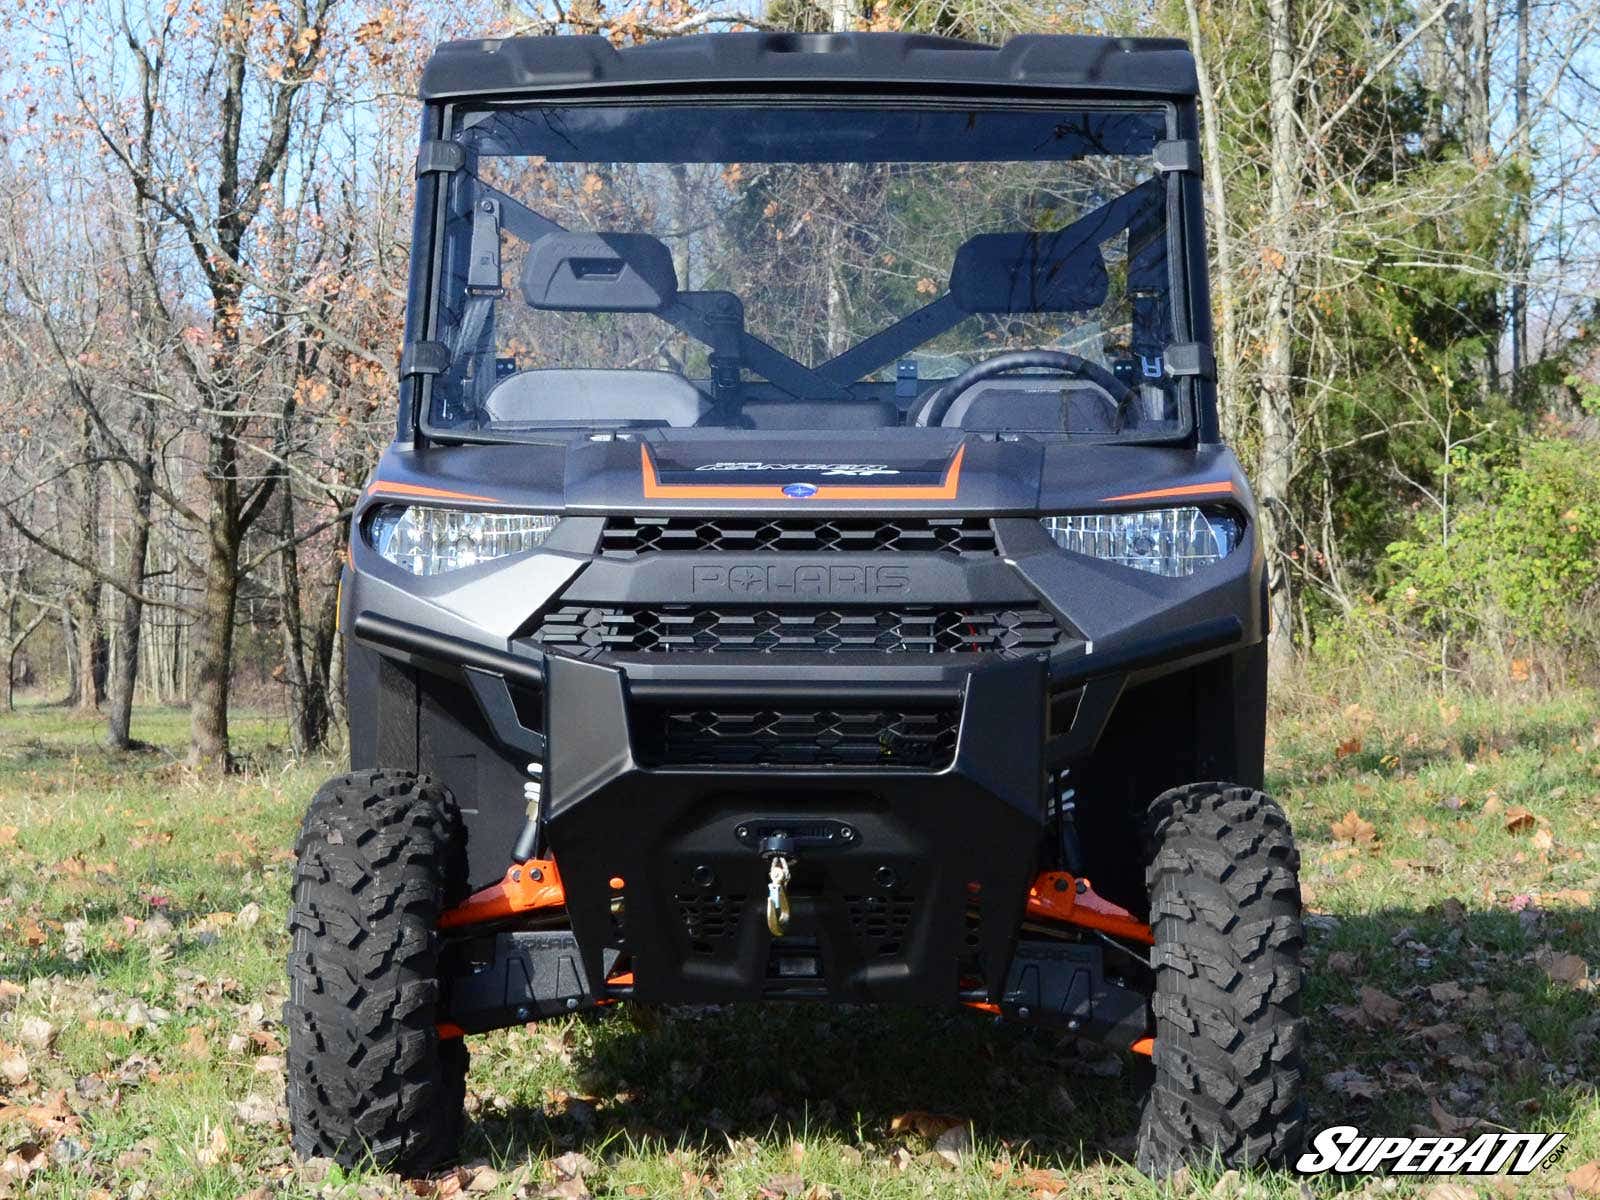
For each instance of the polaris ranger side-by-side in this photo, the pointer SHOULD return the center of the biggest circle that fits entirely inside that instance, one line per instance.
(806, 568)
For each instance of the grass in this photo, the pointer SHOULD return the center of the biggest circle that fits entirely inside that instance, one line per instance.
(142, 942)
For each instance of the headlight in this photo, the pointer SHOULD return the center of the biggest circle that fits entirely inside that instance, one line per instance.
(430, 541)
(1163, 541)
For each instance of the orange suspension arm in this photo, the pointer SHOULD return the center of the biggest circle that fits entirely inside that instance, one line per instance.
(1058, 896)
(527, 887)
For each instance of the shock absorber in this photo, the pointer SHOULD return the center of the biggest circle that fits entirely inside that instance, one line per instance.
(1067, 823)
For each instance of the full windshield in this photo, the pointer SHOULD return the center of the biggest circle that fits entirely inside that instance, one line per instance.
(815, 268)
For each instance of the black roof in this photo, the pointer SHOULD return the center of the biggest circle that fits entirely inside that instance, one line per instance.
(898, 62)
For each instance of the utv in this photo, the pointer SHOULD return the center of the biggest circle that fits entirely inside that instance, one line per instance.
(805, 562)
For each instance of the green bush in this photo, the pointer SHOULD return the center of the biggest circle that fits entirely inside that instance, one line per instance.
(1512, 569)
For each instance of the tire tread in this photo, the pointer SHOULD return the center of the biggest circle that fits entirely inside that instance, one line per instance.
(1225, 910)
(379, 856)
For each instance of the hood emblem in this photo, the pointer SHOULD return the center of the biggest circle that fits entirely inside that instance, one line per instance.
(799, 491)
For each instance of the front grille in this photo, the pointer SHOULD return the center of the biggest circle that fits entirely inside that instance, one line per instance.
(805, 737)
(711, 921)
(684, 627)
(629, 537)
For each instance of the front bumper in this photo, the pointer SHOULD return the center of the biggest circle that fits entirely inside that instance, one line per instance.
(908, 884)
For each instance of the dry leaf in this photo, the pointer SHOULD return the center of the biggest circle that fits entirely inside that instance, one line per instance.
(195, 1044)
(1379, 1006)
(1566, 969)
(23, 1161)
(13, 1066)
(1450, 1191)
(571, 1165)
(1040, 1182)
(1347, 748)
(257, 1110)
(1585, 1180)
(1543, 840)
(924, 1124)
(215, 1150)
(1353, 829)
(779, 1186)
(1518, 819)
(37, 1033)
(8, 835)
(1352, 1083)
(1447, 1122)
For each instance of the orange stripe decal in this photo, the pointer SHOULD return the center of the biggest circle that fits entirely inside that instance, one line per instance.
(1220, 487)
(382, 487)
(654, 489)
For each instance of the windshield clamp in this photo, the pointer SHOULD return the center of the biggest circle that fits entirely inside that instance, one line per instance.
(1191, 359)
(424, 358)
(1181, 155)
(444, 157)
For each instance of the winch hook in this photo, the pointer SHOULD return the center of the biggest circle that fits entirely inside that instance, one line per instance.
(778, 850)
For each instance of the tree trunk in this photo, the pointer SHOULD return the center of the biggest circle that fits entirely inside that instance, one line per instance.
(119, 712)
(91, 649)
(1479, 67)
(212, 642)
(307, 683)
(1521, 233)
(69, 653)
(1277, 373)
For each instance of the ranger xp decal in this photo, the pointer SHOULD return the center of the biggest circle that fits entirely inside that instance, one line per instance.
(855, 470)
(947, 474)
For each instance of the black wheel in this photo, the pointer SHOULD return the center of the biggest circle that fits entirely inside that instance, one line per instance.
(1225, 911)
(380, 855)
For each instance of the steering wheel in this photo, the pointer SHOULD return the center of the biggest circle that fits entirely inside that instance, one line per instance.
(1117, 394)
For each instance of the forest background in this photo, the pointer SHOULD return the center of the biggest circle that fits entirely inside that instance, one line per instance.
(204, 232)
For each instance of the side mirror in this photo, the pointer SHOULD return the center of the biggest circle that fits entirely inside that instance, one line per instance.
(599, 272)
(1059, 271)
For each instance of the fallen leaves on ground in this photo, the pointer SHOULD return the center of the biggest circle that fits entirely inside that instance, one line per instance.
(1042, 1184)
(1519, 819)
(1351, 1082)
(1447, 1122)
(1566, 969)
(1585, 1180)
(1354, 829)
(923, 1124)
(1379, 1006)
(37, 1034)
